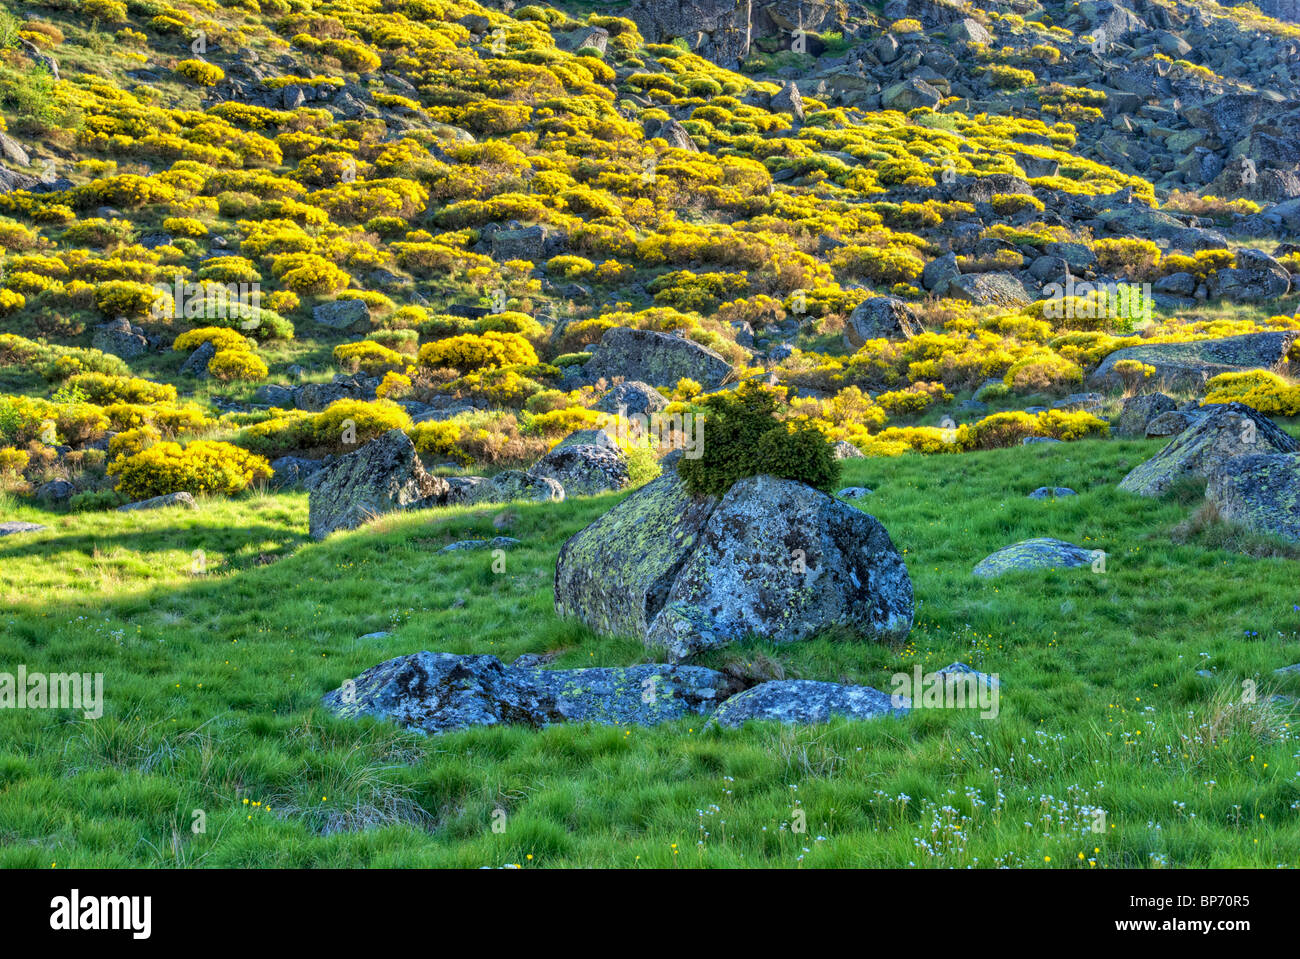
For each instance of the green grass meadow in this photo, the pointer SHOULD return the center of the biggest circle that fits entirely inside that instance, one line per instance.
(218, 630)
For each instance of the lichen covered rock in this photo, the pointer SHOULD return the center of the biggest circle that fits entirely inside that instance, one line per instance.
(1180, 366)
(1226, 431)
(615, 574)
(784, 561)
(585, 469)
(654, 357)
(383, 476)
(1259, 491)
(804, 701)
(1031, 554)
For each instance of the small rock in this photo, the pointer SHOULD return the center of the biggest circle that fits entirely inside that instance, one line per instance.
(158, 502)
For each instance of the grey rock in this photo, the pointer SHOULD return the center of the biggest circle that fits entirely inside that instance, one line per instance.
(1034, 554)
(1189, 365)
(1259, 491)
(804, 701)
(654, 357)
(346, 316)
(781, 560)
(1140, 410)
(585, 469)
(158, 502)
(11, 527)
(632, 398)
(880, 317)
(196, 364)
(495, 543)
(55, 491)
(290, 471)
(1052, 492)
(1227, 431)
(854, 492)
(383, 476)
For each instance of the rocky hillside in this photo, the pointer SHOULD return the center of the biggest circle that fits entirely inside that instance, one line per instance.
(242, 239)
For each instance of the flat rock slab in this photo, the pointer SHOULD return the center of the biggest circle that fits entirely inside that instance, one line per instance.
(1228, 430)
(804, 701)
(440, 692)
(14, 526)
(1182, 366)
(640, 695)
(496, 542)
(1040, 553)
(159, 502)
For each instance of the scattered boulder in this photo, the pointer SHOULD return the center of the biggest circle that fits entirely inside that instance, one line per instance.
(585, 469)
(346, 316)
(11, 527)
(1172, 423)
(439, 692)
(1140, 410)
(909, 94)
(844, 450)
(510, 486)
(782, 560)
(121, 339)
(1255, 277)
(55, 491)
(989, 289)
(382, 476)
(290, 471)
(1052, 492)
(642, 695)
(880, 317)
(158, 502)
(495, 543)
(854, 492)
(1260, 491)
(615, 574)
(1228, 430)
(632, 398)
(196, 364)
(654, 357)
(1034, 554)
(804, 701)
(533, 243)
(788, 100)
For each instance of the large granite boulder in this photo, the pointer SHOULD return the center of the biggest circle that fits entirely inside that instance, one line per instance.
(804, 701)
(1182, 366)
(1034, 554)
(989, 289)
(345, 316)
(120, 338)
(616, 573)
(585, 469)
(1260, 491)
(784, 561)
(383, 476)
(880, 317)
(771, 557)
(632, 398)
(1226, 431)
(1255, 277)
(654, 357)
